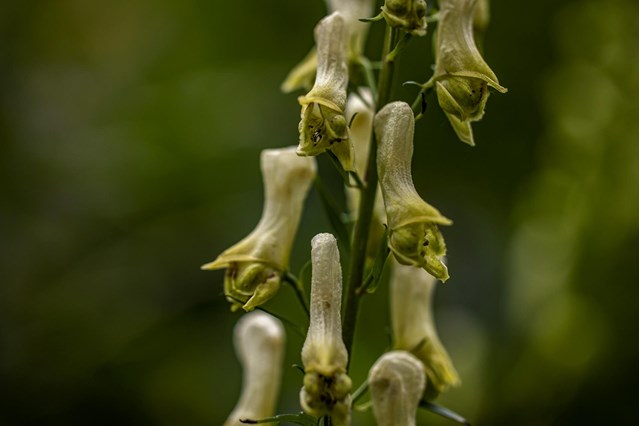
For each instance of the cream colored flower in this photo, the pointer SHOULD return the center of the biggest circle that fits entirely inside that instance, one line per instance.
(414, 237)
(256, 264)
(396, 383)
(323, 125)
(462, 77)
(327, 387)
(414, 328)
(303, 74)
(259, 339)
(410, 15)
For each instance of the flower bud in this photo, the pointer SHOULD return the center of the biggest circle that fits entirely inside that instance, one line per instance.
(414, 237)
(323, 125)
(327, 387)
(414, 328)
(396, 383)
(303, 74)
(259, 340)
(410, 15)
(256, 264)
(462, 77)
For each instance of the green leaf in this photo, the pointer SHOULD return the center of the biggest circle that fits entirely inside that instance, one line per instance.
(444, 412)
(334, 214)
(298, 419)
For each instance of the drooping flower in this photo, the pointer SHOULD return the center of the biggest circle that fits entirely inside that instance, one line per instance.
(323, 125)
(396, 383)
(462, 77)
(414, 237)
(256, 264)
(259, 340)
(302, 75)
(413, 326)
(410, 15)
(327, 387)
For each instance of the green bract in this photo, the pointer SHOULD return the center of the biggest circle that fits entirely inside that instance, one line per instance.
(256, 264)
(410, 15)
(462, 78)
(414, 237)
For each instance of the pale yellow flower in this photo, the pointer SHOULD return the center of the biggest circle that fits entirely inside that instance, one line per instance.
(323, 125)
(396, 383)
(256, 264)
(327, 387)
(410, 15)
(414, 237)
(259, 340)
(462, 78)
(414, 328)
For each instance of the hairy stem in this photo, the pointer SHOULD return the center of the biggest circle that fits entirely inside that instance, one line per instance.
(367, 200)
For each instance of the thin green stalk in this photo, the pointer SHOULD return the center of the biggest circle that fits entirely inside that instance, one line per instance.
(367, 200)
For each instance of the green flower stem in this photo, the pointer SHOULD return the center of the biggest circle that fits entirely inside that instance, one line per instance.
(367, 200)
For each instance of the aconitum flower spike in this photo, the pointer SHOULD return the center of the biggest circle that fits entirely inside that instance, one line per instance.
(259, 340)
(396, 383)
(414, 327)
(256, 264)
(462, 77)
(327, 387)
(323, 125)
(414, 237)
(410, 15)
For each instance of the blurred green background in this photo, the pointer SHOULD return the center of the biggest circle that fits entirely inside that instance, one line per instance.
(130, 134)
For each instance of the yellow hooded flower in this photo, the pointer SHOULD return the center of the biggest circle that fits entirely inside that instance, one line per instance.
(396, 383)
(302, 75)
(259, 340)
(256, 264)
(327, 387)
(462, 77)
(413, 326)
(323, 125)
(414, 237)
(410, 15)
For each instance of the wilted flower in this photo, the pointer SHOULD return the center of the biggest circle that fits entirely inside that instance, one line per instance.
(462, 77)
(323, 125)
(414, 237)
(410, 15)
(324, 356)
(396, 382)
(259, 340)
(355, 33)
(413, 326)
(256, 264)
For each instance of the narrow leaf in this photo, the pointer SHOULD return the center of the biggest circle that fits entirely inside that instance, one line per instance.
(444, 412)
(333, 214)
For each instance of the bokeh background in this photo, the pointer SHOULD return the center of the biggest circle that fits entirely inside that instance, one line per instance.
(130, 133)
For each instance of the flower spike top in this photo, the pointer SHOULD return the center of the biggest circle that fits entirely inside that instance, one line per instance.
(462, 77)
(414, 237)
(324, 355)
(301, 76)
(259, 339)
(323, 125)
(414, 329)
(397, 383)
(410, 15)
(256, 264)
